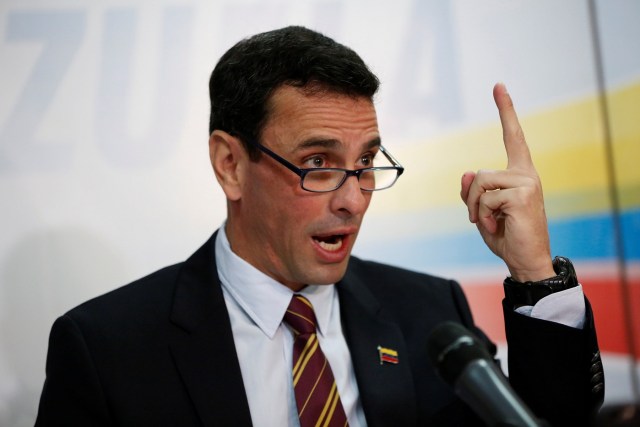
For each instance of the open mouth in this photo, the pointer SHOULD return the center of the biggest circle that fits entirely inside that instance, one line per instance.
(330, 243)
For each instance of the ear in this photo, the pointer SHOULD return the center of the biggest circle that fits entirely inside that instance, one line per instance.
(228, 159)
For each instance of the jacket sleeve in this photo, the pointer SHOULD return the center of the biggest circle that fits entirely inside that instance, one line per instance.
(556, 369)
(72, 393)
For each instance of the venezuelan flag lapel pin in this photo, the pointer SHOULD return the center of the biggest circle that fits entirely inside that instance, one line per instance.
(387, 355)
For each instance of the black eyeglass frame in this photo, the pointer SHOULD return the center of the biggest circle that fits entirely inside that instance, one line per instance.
(348, 172)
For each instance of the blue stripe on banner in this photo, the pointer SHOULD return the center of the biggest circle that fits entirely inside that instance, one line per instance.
(593, 237)
(586, 237)
(631, 233)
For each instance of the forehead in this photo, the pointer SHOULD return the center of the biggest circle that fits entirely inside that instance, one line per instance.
(296, 116)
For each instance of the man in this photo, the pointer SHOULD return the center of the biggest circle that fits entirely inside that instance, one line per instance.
(293, 139)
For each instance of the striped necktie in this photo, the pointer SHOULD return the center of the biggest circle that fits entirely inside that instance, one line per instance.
(316, 393)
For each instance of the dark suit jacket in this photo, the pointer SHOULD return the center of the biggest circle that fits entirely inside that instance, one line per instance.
(160, 352)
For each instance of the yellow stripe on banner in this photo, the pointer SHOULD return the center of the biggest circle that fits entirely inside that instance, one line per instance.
(309, 349)
(625, 131)
(567, 144)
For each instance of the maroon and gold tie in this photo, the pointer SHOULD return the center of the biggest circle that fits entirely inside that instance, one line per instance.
(317, 396)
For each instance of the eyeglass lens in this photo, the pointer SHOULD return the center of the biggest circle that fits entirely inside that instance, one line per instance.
(328, 180)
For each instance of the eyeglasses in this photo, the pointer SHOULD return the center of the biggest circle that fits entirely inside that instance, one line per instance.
(323, 180)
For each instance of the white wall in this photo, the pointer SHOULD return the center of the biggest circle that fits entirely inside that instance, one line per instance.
(104, 172)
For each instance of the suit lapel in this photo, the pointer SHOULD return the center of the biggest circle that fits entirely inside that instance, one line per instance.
(386, 390)
(203, 346)
(204, 350)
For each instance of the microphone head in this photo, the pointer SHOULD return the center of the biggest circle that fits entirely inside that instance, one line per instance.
(451, 347)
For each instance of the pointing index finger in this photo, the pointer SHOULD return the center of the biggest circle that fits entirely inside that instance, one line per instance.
(516, 146)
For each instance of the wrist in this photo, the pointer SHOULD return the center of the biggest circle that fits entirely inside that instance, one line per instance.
(530, 292)
(542, 272)
(532, 276)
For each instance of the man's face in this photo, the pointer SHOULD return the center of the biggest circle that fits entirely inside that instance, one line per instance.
(295, 236)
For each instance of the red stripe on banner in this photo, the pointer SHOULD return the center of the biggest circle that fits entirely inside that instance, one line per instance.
(605, 294)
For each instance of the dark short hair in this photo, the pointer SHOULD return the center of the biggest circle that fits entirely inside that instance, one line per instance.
(247, 75)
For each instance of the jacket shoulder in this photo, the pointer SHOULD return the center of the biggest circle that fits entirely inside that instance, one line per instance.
(386, 278)
(143, 298)
(404, 291)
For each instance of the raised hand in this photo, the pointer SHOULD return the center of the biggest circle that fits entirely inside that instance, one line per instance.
(507, 205)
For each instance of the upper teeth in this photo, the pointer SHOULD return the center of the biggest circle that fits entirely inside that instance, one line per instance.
(331, 246)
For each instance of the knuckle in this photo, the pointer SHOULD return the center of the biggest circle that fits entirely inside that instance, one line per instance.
(528, 196)
(482, 175)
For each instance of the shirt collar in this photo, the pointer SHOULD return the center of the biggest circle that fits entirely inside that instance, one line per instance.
(263, 299)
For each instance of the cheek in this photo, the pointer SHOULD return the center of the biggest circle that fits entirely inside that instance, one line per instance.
(310, 205)
(276, 208)
(284, 209)
(265, 192)
(301, 215)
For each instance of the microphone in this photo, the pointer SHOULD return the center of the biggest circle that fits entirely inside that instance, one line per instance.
(465, 364)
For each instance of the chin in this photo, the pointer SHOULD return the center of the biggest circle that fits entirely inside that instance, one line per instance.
(330, 275)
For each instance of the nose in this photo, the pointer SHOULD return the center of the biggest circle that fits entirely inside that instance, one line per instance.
(349, 199)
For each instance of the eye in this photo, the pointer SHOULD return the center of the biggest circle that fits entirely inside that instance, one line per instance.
(315, 162)
(366, 160)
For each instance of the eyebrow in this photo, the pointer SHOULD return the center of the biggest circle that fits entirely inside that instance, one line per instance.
(332, 143)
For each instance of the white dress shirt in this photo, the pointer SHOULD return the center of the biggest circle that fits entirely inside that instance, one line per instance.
(566, 307)
(264, 344)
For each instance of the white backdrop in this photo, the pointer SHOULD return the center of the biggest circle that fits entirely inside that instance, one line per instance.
(104, 173)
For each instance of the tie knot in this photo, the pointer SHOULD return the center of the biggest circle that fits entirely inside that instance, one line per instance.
(300, 316)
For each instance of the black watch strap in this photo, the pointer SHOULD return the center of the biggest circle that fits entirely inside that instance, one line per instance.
(529, 293)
